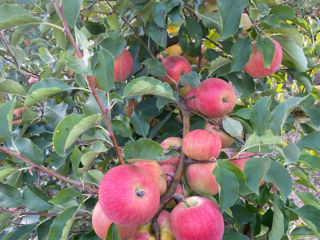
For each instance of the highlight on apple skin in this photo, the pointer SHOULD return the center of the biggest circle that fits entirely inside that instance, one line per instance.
(255, 66)
(175, 66)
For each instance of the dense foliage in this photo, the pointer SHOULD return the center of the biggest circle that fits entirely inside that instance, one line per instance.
(67, 134)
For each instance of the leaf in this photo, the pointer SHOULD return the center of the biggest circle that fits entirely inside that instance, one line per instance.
(159, 13)
(23, 232)
(194, 31)
(92, 152)
(140, 123)
(192, 78)
(46, 56)
(64, 196)
(294, 52)
(291, 153)
(113, 22)
(13, 87)
(9, 10)
(277, 229)
(289, 31)
(79, 65)
(155, 67)
(104, 69)
(62, 131)
(230, 12)
(19, 20)
(83, 125)
(314, 114)
(218, 63)
(310, 141)
(280, 176)
(283, 12)
(29, 150)
(254, 170)
(232, 126)
(6, 171)
(75, 161)
(35, 199)
(61, 225)
(121, 125)
(260, 115)
(312, 161)
(157, 34)
(234, 235)
(281, 112)
(71, 10)
(6, 111)
(212, 20)
(308, 199)
(148, 85)
(144, 148)
(240, 51)
(267, 49)
(113, 233)
(115, 44)
(43, 89)
(9, 196)
(311, 215)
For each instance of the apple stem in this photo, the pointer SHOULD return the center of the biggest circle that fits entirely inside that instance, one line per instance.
(180, 198)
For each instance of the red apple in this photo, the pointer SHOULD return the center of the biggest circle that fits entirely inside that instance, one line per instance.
(226, 140)
(165, 228)
(155, 170)
(18, 111)
(199, 219)
(128, 195)
(123, 66)
(201, 145)
(215, 97)
(255, 67)
(167, 144)
(192, 102)
(33, 79)
(175, 66)
(199, 177)
(100, 222)
(18, 121)
(126, 233)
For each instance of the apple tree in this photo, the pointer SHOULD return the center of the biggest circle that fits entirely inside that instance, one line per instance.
(89, 86)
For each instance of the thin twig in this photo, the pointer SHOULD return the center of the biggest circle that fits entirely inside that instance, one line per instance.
(17, 211)
(89, 6)
(22, 68)
(281, 3)
(47, 171)
(253, 21)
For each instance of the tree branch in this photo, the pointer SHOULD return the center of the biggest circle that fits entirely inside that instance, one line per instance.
(47, 171)
(253, 22)
(22, 68)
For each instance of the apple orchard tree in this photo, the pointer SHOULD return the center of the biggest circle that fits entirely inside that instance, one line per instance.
(186, 120)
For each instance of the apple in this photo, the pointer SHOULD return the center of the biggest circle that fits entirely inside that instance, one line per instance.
(167, 144)
(129, 195)
(201, 145)
(184, 90)
(26, 42)
(175, 66)
(155, 170)
(100, 222)
(255, 66)
(226, 140)
(18, 121)
(144, 233)
(192, 102)
(245, 23)
(199, 177)
(126, 233)
(198, 218)
(123, 66)
(165, 228)
(18, 111)
(215, 97)
(173, 50)
(33, 79)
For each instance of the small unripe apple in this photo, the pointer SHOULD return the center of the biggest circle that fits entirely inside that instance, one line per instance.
(192, 102)
(215, 97)
(199, 177)
(128, 195)
(175, 66)
(123, 66)
(226, 140)
(201, 145)
(198, 218)
(255, 67)
(167, 144)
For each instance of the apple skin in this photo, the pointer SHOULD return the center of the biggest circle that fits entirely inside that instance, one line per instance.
(33, 79)
(144, 233)
(215, 97)
(129, 195)
(126, 233)
(202, 220)
(173, 50)
(18, 111)
(123, 66)
(255, 66)
(155, 170)
(165, 228)
(199, 177)
(167, 144)
(100, 222)
(201, 145)
(226, 140)
(192, 102)
(175, 66)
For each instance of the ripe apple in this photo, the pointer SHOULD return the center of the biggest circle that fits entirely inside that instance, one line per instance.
(167, 144)
(175, 66)
(129, 195)
(199, 177)
(155, 170)
(192, 102)
(18, 111)
(226, 140)
(33, 79)
(100, 222)
(215, 97)
(165, 228)
(255, 67)
(18, 121)
(200, 218)
(125, 232)
(123, 66)
(201, 145)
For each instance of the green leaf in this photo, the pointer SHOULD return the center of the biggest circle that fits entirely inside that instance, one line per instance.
(113, 22)
(115, 44)
(75, 161)
(148, 85)
(212, 20)
(6, 171)
(64, 196)
(6, 111)
(35, 199)
(312, 161)
(71, 10)
(293, 51)
(310, 141)
(234, 235)
(240, 51)
(23, 232)
(230, 12)
(280, 176)
(144, 148)
(13, 87)
(79, 65)
(159, 13)
(289, 31)
(192, 78)
(277, 229)
(46, 56)
(29, 150)
(311, 215)
(260, 115)
(92, 152)
(155, 67)
(232, 126)
(9, 10)
(218, 63)
(113, 233)
(9, 196)
(140, 123)
(314, 114)
(61, 225)
(63, 130)
(283, 12)
(308, 199)
(83, 125)
(254, 170)
(281, 112)
(121, 125)
(19, 20)
(157, 34)
(104, 69)
(291, 153)
(194, 31)
(267, 49)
